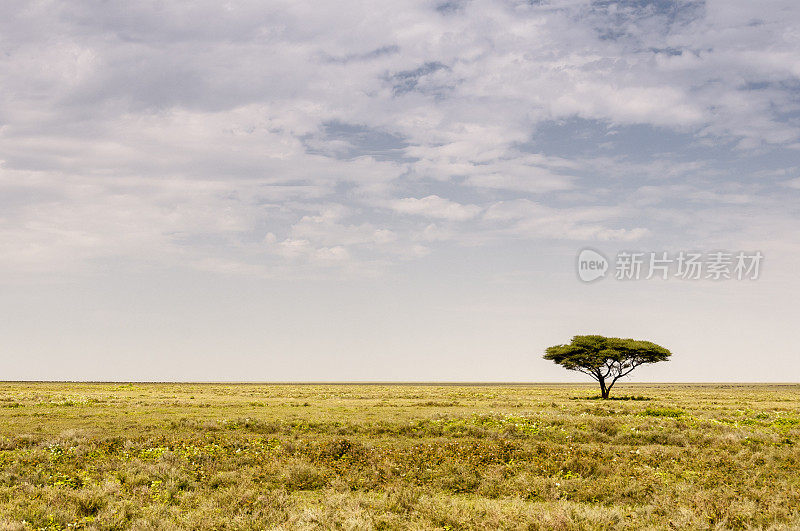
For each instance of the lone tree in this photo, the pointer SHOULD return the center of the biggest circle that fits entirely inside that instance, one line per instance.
(606, 359)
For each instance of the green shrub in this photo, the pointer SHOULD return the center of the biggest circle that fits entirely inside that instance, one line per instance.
(663, 412)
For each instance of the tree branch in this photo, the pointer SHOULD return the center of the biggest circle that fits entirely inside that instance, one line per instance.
(609, 365)
(586, 371)
(621, 374)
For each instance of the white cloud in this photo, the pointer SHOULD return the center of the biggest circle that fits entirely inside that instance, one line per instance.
(436, 207)
(527, 219)
(130, 133)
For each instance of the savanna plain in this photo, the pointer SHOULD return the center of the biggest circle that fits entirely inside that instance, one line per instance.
(295, 456)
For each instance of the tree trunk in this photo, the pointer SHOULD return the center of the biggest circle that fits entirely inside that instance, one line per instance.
(603, 389)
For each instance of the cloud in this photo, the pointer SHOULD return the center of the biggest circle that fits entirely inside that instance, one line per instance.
(185, 133)
(526, 219)
(435, 207)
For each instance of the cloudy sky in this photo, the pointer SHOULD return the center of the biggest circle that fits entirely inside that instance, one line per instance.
(344, 190)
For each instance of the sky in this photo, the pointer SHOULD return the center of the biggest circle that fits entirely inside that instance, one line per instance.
(361, 191)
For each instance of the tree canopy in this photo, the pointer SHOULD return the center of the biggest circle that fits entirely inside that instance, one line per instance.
(606, 359)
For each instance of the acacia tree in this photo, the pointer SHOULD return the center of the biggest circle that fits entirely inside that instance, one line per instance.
(606, 359)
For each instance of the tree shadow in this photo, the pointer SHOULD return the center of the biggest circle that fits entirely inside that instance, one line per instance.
(623, 397)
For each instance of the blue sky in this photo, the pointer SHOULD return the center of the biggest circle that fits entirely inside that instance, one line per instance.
(352, 191)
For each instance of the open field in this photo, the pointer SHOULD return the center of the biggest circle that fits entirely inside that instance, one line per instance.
(154, 456)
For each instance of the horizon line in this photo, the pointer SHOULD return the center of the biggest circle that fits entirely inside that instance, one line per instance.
(386, 382)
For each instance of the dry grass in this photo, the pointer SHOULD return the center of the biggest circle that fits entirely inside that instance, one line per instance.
(169, 456)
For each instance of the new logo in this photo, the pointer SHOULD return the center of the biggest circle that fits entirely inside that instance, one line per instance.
(591, 265)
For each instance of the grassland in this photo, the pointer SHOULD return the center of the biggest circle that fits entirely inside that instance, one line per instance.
(161, 456)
